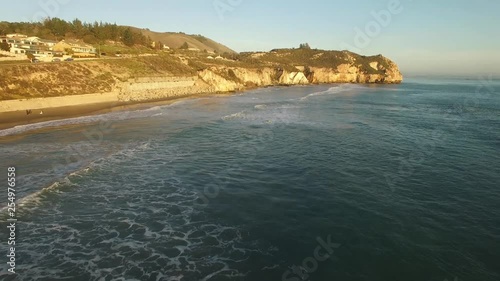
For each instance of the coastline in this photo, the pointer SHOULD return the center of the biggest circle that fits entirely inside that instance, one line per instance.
(92, 89)
(16, 118)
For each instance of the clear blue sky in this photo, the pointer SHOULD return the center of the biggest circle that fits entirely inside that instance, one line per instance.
(426, 37)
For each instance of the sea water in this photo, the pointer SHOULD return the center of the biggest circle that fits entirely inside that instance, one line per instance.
(329, 182)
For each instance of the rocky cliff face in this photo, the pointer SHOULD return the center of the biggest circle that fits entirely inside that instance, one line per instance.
(227, 79)
(166, 76)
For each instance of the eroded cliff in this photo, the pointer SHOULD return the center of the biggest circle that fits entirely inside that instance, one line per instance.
(180, 74)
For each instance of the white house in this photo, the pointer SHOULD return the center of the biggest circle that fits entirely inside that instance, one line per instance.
(17, 50)
(48, 43)
(32, 40)
(16, 35)
(78, 47)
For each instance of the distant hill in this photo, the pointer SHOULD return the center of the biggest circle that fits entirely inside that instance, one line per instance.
(98, 32)
(176, 40)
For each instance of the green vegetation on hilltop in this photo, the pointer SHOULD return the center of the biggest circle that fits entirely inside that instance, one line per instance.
(315, 58)
(127, 38)
(91, 33)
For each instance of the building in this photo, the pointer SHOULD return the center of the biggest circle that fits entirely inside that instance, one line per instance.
(16, 35)
(78, 48)
(32, 40)
(39, 51)
(16, 44)
(23, 45)
(17, 50)
(48, 43)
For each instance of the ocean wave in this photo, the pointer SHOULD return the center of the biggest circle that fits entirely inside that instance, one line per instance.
(174, 238)
(238, 115)
(334, 90)
(35, 199)
(66, 178)
(47, 124)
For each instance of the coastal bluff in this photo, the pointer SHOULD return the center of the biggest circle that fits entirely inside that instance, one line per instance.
(175, 75)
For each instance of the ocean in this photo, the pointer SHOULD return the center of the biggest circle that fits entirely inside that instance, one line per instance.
(325, 182)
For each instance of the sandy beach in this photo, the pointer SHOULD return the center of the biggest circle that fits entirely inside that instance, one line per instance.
(20, 117)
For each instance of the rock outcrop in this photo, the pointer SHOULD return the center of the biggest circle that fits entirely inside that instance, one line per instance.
(227, 79)
(293, 78)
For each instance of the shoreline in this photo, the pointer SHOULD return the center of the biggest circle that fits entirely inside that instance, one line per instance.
(12, 119)
(82, 106)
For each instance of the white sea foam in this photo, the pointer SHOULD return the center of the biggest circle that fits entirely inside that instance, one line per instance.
(334, 90)
(185, 234)
(238, 115)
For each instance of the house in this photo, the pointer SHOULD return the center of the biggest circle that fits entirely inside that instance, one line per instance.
(194, 49)
(210, 57)
(14, 41)
(32, 40)
(219, 58)
(48, 43)
(16, 35)
(17, 50)
(21, 44)
(17, 45)
(77, 47)
(39, 51)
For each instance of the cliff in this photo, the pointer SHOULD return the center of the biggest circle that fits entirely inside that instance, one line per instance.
(165, 76)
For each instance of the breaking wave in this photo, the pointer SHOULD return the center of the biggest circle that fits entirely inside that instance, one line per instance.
(334, 90)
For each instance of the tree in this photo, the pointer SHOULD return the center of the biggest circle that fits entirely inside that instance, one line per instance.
(184, 46)
(128, 37)
(5, 46)
(92, 33)
(305, 46)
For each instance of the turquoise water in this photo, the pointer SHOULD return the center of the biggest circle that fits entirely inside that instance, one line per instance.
(331, 182)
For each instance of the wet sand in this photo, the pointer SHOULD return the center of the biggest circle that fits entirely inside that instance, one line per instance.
(18, 118)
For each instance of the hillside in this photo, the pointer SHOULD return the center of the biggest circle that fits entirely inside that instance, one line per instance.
(176, 40)
(126, 39)
(279, 67)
